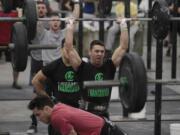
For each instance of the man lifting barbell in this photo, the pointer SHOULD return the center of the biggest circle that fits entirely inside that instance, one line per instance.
(97, 100)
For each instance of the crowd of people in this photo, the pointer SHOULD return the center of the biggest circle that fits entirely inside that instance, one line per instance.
(57, 74)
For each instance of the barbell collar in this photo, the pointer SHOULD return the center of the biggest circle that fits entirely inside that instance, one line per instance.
(12, 19)
(31, 46)
(100, 84)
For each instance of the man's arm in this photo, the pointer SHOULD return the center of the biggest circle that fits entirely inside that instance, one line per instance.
(73, 56)
(72, 132)
(76, 11)
(38, 82)
(123, 46)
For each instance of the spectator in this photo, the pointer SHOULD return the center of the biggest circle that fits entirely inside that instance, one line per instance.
(114, 29)
(168, 40)
(5, 35)
(36, 56)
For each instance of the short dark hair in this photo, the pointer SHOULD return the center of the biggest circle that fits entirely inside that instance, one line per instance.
(40, 102)
(54, 14)
(40, 2)
(96, 42)
(63, 41)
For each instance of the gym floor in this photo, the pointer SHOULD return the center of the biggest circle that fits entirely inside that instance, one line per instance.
(14, 116)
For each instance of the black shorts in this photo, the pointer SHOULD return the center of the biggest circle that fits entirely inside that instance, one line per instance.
(52, 131)
(7, 55)
(35, 66)
(109, 129)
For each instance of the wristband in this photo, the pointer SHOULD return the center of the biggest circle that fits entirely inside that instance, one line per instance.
(75, 1)
(123, 25)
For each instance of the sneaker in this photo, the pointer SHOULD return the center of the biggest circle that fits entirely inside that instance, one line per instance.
(153, 92)
(32, 129)
(168, 52)
(16, 86)
(166, 43)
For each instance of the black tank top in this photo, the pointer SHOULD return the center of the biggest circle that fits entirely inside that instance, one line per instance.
(65, 80)
(89, 72)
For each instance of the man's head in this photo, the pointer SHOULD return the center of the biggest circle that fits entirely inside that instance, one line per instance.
(42, 9)
(55, 23)
(42, 108)
(97, 52)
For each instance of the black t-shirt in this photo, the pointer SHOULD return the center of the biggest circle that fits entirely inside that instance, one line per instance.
(65, 80)
(89, 72)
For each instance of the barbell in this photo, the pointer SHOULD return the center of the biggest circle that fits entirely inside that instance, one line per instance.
(19, 47)
(160, 17)
(132, 72)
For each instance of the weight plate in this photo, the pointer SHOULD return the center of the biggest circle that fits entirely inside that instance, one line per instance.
(132, 74)
(31, 18)
(20, 52)
(160, 19)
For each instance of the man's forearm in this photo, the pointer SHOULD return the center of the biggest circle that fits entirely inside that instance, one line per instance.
(39, 88)
(76, 11)
(124, 36)
(69, 36)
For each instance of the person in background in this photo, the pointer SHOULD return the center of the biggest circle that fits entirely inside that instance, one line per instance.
(115, 29)
(5, 39)
(36, 56)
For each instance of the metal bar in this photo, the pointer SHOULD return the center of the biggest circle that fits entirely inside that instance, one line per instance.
(173, 40)
(37, 46)
(107, 19)
(80, 32)
(97, 19)
(158, 88)
(110, 83)
(149, 38)
(12, 19)
(174, 19)
(152, 98)
(105, 83)
(33, 46)
(149, 118)
(165, 82)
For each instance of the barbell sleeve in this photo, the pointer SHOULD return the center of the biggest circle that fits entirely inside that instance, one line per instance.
(12, 19)
(165, 82)
(110, 83)
(32, 46)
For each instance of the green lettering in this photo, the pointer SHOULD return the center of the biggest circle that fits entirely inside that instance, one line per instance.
(104, 92)
(68, 87)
